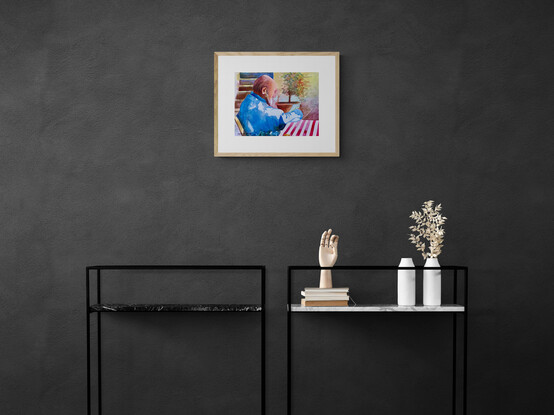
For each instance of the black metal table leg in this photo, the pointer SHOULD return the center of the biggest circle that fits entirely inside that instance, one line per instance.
(99, 338)
(466, 313)
(289, 348)
(454, 345)
(88, 344)
(263, 338)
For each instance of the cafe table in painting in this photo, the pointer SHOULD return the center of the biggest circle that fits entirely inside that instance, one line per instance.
(301, 128)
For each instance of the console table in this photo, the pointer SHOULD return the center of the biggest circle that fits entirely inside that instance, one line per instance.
(455, 309)
(100, 308)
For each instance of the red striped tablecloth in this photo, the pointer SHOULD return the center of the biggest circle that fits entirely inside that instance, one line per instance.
(302, 127)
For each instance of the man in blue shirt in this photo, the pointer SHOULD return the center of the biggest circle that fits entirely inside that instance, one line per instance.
(259, 114)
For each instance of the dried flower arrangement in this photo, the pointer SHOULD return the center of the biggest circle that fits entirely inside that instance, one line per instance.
(428, 226)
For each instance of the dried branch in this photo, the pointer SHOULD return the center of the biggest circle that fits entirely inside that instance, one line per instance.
(429, 227)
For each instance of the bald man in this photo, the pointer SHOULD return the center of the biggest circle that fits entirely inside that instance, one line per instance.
(258, 112)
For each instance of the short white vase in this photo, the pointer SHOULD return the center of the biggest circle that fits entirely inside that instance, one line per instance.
(432, 283)
(406, 283)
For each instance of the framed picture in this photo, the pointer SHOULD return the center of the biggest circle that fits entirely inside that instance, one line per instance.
(276, 104)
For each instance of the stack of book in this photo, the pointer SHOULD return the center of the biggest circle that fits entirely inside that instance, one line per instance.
(325, 297)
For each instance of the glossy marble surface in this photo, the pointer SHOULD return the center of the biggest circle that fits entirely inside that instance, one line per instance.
(379, 308)
(175, 307)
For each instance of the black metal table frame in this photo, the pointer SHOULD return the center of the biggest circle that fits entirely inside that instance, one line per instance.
(99, 268)
(464, 313)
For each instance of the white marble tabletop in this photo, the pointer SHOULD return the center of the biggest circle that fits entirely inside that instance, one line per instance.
(368, 308)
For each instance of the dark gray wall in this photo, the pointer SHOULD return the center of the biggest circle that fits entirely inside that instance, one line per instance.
(106, 128)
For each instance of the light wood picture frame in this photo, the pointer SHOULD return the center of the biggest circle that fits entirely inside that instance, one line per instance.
(276, 104)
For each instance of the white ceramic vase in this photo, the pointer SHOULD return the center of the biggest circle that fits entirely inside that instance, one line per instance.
(432, 283)
(406, 283)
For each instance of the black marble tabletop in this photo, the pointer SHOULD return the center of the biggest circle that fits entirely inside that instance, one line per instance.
(174, 307)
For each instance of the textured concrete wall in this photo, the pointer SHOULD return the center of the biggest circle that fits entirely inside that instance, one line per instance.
(106, 136)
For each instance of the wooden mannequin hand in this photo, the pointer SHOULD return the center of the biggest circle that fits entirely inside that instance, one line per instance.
(328, 249)
(328, 255)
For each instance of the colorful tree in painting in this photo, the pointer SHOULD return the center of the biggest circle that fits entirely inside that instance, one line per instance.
(294, 83)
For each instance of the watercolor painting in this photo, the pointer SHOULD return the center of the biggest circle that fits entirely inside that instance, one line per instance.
(277, 104)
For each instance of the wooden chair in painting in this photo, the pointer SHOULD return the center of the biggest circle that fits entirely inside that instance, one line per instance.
(239, 126)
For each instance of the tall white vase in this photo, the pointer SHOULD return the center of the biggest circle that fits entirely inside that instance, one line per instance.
(406, 283)
(432, 283)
